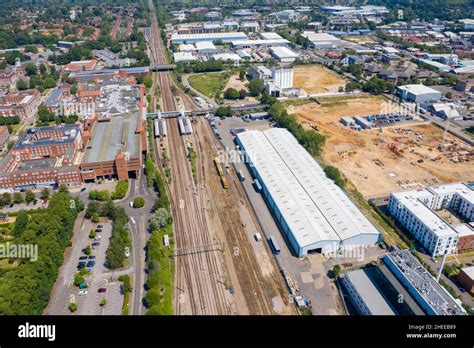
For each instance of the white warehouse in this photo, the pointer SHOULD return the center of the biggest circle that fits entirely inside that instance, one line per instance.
(416, 211)
(283, 54)
(314, 213)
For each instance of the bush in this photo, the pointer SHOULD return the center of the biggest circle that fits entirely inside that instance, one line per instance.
(224, 111)
(231, 93)
(138, 202)
(120, 190)
(334, 174)
(73, 307)
(78, 279)
(92, 234)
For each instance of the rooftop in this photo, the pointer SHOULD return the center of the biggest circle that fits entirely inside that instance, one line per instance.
(283, 52)
(41, 136)
(114, 137)
(433, 293)
(314, 208)
(418, 89)
(369, 293)
(469, 271)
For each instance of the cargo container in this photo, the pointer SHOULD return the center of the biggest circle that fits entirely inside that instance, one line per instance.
(274, 245)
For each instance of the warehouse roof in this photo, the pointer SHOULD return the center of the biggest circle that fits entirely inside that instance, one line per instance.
(314, 208)
(205, 45)
(369, 293)
(270, 36)
(114, 137)
(418, 89)
(258, 42)
(283, 52)
(208, 36)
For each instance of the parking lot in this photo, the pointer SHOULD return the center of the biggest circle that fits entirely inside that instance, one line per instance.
(99, 277)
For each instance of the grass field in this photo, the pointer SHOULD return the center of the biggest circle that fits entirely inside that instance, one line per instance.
(211, 85)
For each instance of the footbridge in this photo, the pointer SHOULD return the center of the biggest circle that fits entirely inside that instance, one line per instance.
(202, 112)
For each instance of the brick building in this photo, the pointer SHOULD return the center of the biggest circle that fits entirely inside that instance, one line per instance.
(44, 156)
(4, 136)
(23, 104)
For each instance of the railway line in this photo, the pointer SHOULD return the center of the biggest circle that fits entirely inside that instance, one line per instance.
(200, 277)
(206, 282)
(257, 290)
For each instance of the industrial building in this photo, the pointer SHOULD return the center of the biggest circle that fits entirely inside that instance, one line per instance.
(418, 93)
(416, 211)
(192, 38)
(283, 54)
(430, 295)
(312, 211)
(282, 77)
(364, 295)
(260, 43)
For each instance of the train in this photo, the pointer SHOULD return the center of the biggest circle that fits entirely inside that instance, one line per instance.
(220, 171)
(258, 186)
(225, 184)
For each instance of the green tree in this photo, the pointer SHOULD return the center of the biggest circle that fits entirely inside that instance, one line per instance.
(78, 279)
(18, 198)
(103, 302)
(31, 69)
(334, 174)
(255, 86)
(336, 270)
(224, 111)
(73, 307)
(88, 250)
(7, 198)
(147, 81)
(21, 85)
(92, 234)
(138, 202)
(30, 196)
(242, 74)
(159, 219)
(231, 93)
(42, 69)
(44, 193)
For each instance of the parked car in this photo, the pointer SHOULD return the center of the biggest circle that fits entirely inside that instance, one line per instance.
(99, 226)
(83, 257)
(81, 265)
(98, 230)
(82, 292)
(92, 257)
(95, 244)
(102, 290)
(83, 285)
(83, 189)
(90, 264)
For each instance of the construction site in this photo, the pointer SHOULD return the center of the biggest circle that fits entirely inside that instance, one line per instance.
(392, 158)
(317, 79)
(217, 271)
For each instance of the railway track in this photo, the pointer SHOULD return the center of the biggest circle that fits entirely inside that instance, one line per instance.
(254, 286)
(200, 277)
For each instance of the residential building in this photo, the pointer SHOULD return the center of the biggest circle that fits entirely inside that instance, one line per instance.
(23, 104)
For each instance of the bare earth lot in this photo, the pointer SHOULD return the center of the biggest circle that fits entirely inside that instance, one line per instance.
(317, 79)
(399, 157)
